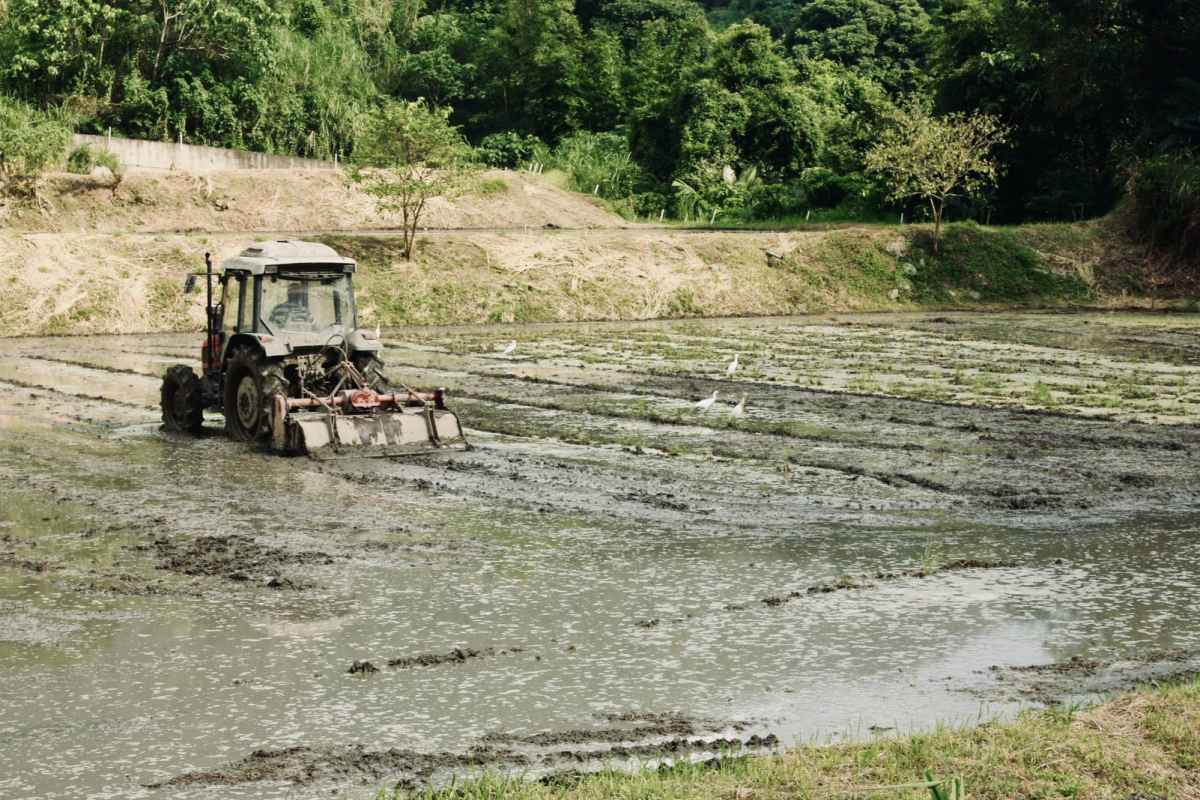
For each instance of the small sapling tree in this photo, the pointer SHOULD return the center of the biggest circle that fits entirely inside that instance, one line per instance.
(935, 158)
(410, 153)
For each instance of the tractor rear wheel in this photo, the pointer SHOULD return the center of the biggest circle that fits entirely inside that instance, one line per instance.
(181, 401)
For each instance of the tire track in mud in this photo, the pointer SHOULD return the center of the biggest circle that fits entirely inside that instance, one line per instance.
(1029, 466)
(548, 756)
(839, 404)
(842, 583)
(90, 365)
(19, 384)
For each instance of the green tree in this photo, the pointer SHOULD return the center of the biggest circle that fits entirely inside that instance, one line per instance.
(409, 153)
(780, 133)
(429, 65)
(935, 158)
(886, 40)
(531, 68)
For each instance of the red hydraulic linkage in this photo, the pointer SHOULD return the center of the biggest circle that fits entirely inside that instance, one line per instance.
(367, 399)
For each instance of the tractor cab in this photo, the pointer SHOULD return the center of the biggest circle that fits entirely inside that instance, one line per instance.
(287, 298)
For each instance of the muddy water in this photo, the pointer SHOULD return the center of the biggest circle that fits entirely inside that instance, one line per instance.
(169, 607)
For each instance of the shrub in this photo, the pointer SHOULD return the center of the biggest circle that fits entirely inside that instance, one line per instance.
(507, 150)
(823, 188)
(31, 142)
(1165, 195)
(650, 204)
(777, 200)
(595, 163)
(84, 159)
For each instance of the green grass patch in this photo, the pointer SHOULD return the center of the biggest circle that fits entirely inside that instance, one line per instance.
(988, 265)
(488, 186)
(1141, 744)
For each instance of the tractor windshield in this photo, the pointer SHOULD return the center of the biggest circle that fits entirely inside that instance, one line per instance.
(306, 303)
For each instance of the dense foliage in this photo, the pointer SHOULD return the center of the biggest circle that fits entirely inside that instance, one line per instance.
(30, 142)
(696, 107)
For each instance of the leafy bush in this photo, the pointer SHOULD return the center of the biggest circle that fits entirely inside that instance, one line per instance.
(595, 163)
(823, 188)
(84, 159)
(712, 188)
(31, 142)
(1165, 194)
(508, 149)
(650, 204)
(777, 200)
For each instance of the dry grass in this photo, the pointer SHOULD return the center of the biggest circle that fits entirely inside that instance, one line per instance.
(95, 266)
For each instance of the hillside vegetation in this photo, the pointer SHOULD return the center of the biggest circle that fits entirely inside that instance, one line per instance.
(691, 108)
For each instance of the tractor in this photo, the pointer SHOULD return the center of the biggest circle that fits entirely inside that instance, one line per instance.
(285, 362)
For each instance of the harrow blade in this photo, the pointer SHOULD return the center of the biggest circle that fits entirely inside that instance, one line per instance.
(402, 431)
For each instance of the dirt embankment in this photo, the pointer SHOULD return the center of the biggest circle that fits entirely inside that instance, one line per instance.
(515, 249)
(276, 201)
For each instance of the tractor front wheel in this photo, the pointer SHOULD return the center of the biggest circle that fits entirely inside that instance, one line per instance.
(181, 400)
(245, 400)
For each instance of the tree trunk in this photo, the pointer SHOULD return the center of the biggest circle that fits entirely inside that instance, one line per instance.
(936, 206)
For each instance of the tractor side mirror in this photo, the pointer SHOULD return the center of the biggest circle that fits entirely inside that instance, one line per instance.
(189, 285)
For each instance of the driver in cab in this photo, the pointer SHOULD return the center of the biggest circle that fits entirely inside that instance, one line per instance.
(295, 310)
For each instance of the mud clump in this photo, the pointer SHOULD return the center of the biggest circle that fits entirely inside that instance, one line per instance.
(10, 557)
(236, 558)
(1075, 665)
(630, 726)
(1080, 675)
(459, 655)
(669, 748)
(305, 765)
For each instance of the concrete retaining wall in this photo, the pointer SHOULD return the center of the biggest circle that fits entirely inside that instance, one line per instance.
(143, 154)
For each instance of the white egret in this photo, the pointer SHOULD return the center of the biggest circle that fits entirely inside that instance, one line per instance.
(706, 403)
(508, 351)
(740, 409)
(733, 365)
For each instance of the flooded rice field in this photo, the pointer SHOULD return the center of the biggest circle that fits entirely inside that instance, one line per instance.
(919, 519)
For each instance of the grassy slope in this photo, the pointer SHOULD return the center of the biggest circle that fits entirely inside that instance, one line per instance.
(1142, 744)
(637, 275)
(105, 264)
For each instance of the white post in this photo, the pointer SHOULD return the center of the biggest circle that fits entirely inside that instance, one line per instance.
(901, 217)
(807, 214)
(662, 214)
(713, 218)
(596, 190)
(108, 141)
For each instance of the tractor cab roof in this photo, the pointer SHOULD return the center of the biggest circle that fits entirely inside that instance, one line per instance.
(267, 257)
